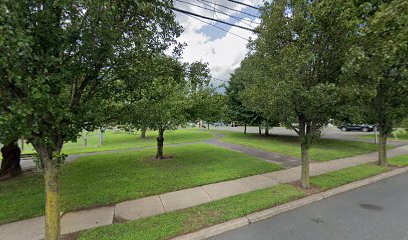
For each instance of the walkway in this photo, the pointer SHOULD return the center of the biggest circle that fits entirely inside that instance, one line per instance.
(168, 202)
(280, 159)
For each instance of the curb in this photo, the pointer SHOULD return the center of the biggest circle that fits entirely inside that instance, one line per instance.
(262, 215)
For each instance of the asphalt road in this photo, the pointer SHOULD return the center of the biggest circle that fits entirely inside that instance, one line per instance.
(375, 212)
(327, 132)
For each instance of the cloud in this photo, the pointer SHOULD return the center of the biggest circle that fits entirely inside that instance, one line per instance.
(223, 51)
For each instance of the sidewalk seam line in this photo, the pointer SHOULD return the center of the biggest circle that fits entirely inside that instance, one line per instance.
(162, 203)
(212, 199)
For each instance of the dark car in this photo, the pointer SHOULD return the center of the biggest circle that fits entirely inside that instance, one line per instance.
(356, 127)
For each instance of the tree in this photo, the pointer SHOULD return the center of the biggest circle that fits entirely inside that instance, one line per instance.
(10, 164)
(298, 55)
(379, 63)
(236, 85)
(161, 102)
(57, 58)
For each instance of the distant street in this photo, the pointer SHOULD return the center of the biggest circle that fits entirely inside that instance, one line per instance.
(328, 132)
(375, 212)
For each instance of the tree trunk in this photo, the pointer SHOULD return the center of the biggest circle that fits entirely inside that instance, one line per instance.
(160, 141)
(52, 209)
(382, 149)
(260, 130)
(51, 181)
(266, 131)
(208, 126)
(143, 133)
(304, 178)
(10, 165)
(245, 129)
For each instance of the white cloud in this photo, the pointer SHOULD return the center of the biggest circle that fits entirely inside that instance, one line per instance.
(223, 54)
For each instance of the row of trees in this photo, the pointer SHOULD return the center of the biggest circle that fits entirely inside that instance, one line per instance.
(319, 61)
(69, 66)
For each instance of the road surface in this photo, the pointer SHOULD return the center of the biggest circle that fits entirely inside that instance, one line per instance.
(375, 212)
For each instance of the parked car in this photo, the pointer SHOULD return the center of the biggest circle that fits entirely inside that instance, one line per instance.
(357, 127)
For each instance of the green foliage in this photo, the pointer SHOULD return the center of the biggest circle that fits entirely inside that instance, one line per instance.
(169, 225)
(59, 58)
(297, 60)
(237, 111)
(378, 63)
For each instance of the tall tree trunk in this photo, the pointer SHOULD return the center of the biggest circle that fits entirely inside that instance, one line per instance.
(208, 126)
(260, 130)
(52, 206)
(51, 181)
(10, 165)
(143, 133)
(245, 128)
(160, 141)
(382, 149)
(304, 178)
(266, 131)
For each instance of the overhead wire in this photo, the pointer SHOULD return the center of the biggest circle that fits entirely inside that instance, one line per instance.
(235, 10)
(244, 4)
(212, 19)
(218, 11)
(220, 28)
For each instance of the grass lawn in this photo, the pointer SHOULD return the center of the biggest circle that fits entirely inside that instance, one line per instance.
(188, 220)
(347, 175)
(104, 179)
(324, 150)
(121, 140)
(401, 135)
(180, 222)
(400, 161)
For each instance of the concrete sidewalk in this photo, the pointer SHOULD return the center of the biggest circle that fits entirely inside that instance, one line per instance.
(167, 202)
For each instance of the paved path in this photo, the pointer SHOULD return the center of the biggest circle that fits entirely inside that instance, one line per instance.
(327, 133)
(377, 212)
(280, 159)
(167, 202)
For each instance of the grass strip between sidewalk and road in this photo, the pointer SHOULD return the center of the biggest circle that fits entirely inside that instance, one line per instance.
(346, 175)
(188, 220)
(400, 161)
(192, 219)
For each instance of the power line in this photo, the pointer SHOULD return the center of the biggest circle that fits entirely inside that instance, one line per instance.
(219, 11)
(220, 28)
(212, 19)
(244, 4)
(216, 10)
(216, 4)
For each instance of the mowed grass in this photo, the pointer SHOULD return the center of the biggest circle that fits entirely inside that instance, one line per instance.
(122, 140)
(323, 150)
(401, 136)
(188, 220)
(104, 179)
(400, 161)
(180, 222)
(347, 175)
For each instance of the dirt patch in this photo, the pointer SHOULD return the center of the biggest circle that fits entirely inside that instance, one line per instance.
(310, 191)
(160, 159)
(70, 236)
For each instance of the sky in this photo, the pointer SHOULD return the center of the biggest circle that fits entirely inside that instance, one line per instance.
(223, 51)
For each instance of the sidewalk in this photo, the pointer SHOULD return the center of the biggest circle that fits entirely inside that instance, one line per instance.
(167, 202)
